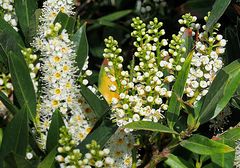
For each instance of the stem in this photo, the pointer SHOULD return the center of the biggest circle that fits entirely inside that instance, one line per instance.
(134, 157)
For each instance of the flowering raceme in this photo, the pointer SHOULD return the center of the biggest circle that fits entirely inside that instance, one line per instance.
(59, 75)
(144, 89)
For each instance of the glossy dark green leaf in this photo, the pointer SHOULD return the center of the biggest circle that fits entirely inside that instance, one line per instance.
(25, 10)
(67, 22)
(22, 83)
(1, 137)
(98, 105)
(15, 137)
(5, 27)
(53, 133)
(149, 126)
(204, 146)
(8, 104)
(8, 42)
(13, 160)
(225, 160)
(178, 88)
(174, 161)
(49, 160)
(33, 27)
(220, 92)
(217, 11)
(101, 134)
(81, 44)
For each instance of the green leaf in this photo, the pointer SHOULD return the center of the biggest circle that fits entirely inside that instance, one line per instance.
(217, 11)
(81, 44)
(188, 42)
(8, 42)
(53, 133)
(1, 137)
(49, 160)
(225, 160)
(174, 161)
(149, 126)
(13, 160)
(99, 106)
(15, 138)
(101, 134)
(7, 28)
(220, 92)
(178, 88)
(33, 27)
(231, 134)
(8, 104)
(114, 16)
(67, 22)
(22, 83)
(204, 146)
(25, 10)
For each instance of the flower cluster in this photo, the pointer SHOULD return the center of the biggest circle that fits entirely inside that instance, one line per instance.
(71, 157)
(144, 89)
(206, 61)
(5, 87)
(9, 14)
(237, 155)
(121, 146)
(59, 75)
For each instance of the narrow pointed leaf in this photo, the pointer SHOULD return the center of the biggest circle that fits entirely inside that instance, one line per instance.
(220, 92)
(22, 83)
(7, 28)
(101, 134)
(53, 133)
(174, 161)
(149, 126)
(217, 11)
(115, 16)
(49, 160)
(204, 146)
(99, 106)
(25, 10)
(81, 46)
(178, 89)
(15, 138)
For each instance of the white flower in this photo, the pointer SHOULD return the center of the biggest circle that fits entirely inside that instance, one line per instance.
(203, 84)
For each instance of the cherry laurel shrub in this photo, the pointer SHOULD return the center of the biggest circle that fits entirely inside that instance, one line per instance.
(148, 113)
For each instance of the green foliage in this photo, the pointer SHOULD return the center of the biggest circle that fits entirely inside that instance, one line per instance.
(13, 160)
(49, 160)
(99, 105)
(53, 133)
(15, 137)
(202, 145)
(222, 89)
(25, 11)
(178, 88)
(218, 9)
(81, 44)
(67, 22)
(149, 126)
(22, 84)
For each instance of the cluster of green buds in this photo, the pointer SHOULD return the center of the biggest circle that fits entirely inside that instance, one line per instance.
(53, 30)
(33, 65)
(71, 157)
